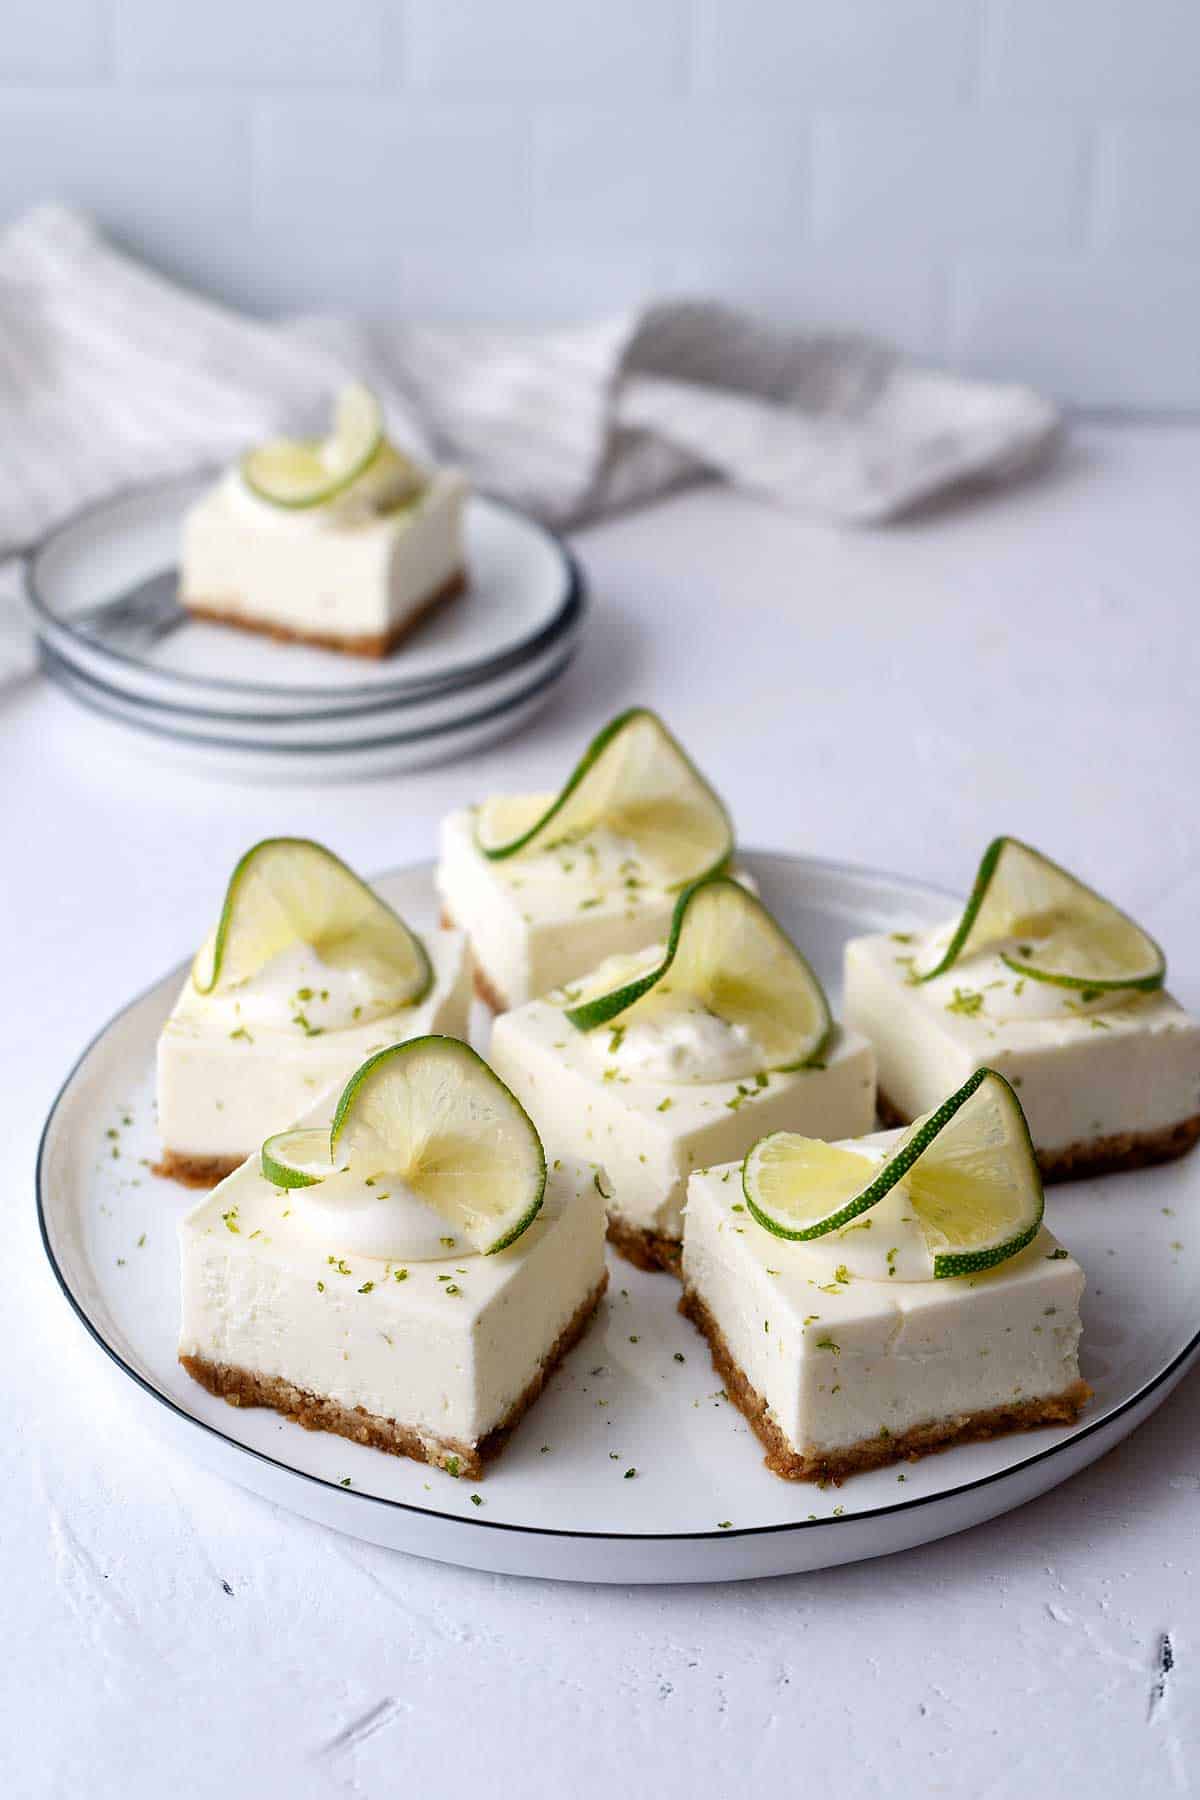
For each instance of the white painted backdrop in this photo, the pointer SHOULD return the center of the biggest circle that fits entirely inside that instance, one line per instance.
(1005, 184)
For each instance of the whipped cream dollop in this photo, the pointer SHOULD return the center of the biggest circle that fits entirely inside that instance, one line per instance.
(669, 1037)
(297, 990)
(884, 1244)
(382, 1217)
(379, 1216)
(982, 985)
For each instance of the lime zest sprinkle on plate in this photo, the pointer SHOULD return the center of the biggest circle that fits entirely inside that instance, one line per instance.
(636, 779)
(1059, 930)
(725, 951)
(968, 1168)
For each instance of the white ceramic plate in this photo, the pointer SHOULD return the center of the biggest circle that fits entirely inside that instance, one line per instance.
(525, 591)
(621, 1401)
(384, 742)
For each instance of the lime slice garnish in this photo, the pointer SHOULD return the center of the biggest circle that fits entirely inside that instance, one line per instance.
(290, 890)
(296, 472)
(801, 1188)
(636, 780)
(726, 952)
(968, 1168)
(1056, 929)
(431, 1113)
(300, 1158)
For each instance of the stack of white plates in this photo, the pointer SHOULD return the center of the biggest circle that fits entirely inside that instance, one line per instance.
(102, 592)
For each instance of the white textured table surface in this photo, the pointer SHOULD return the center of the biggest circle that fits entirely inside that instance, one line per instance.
(1028, 663)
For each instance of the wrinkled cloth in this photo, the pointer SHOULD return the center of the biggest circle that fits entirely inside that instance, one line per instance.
(111, 376)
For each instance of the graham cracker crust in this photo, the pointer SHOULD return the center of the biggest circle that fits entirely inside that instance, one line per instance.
(195, 1171)
(650, 1250)
(491, 996)
(375, 644)
(877, 1452)
(1111, 1155)
(890, 1117)
(243, 1387)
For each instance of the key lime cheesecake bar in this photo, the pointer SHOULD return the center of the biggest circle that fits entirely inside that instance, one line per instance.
(345, 543)
(306, 972)
(683, 1055)
(403, 1269)
(1046, 981)
(548, 885)
(877, 1299)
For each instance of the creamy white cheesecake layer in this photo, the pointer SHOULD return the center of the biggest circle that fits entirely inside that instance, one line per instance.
(541, 919)
(324, 569)
(649, 1135)
(1085, 1069)
(446, 1351)
(840, 1362)
(226, 1080)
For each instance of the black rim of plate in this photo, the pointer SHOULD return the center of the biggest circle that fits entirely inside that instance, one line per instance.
(812, 866)
(50, 625)
(396, 703)
(95, 697)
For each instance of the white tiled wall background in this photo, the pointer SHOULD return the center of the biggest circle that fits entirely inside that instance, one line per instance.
(1008, 185)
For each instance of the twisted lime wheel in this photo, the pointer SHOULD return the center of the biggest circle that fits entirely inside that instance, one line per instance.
(1049, 926)
(636, 780)
(726, 952)
(968, 1168)
(298, 473)
(290, 890)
